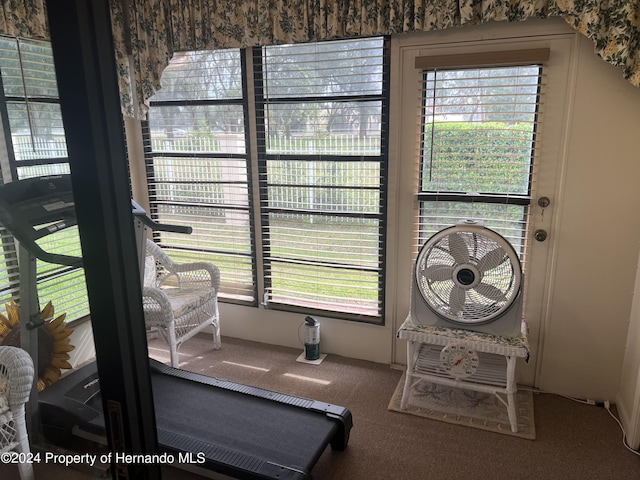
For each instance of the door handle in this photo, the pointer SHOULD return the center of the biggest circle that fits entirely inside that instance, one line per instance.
(540, 235)
(544, 202)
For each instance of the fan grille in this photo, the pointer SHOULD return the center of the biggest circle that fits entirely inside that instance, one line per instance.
(468, 275)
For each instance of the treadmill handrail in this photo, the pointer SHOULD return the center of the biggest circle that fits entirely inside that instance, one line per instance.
(140, 213)
(164, 227)
(55, 258)
(71, 261)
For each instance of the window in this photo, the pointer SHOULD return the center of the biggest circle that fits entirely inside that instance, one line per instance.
(198, 170)
(322, 151)
(36, 146)
(479, 142)
(289, 202)
(32, 110)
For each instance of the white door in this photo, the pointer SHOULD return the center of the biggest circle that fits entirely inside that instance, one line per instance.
(479, 134)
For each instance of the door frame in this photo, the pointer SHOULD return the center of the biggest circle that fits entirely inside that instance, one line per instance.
(404, 111)
(82, 45)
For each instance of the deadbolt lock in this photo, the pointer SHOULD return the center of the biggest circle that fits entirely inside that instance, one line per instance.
(544, 202)
(540, 235)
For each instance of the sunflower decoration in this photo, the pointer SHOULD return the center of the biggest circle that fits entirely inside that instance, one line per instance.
(53, 341)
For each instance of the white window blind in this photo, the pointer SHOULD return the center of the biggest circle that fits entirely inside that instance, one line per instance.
(322, 148)
(197, 166)
(478, 144)
(36, 146)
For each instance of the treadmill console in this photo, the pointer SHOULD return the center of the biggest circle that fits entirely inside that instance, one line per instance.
(36, 207)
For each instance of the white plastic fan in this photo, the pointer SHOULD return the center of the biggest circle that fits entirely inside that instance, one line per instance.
(468, 276)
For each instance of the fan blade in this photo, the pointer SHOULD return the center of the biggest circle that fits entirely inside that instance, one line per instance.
(457, 298)
(458, 248)
(491, 260)
(438, 273)
(490, 292)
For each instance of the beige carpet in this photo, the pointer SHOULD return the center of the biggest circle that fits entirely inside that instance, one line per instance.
(573, 441)
(466, 407)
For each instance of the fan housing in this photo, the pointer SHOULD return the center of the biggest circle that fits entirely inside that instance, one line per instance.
(468, 276)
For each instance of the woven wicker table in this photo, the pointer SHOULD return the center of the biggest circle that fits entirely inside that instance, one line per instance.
(496, 368)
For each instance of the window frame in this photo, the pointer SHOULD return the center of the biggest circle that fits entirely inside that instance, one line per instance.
(537, 57)
(383, 158)
(256, 155)
(9, 172)
(149, 155)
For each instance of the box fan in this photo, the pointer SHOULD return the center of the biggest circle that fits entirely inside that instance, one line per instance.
(468, 276)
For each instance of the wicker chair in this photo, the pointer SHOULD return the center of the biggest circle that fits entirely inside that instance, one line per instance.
(180, 299)
(16, 379)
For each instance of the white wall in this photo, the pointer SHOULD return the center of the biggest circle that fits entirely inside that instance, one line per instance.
(349, 339)
(597, 235)
(583, 323)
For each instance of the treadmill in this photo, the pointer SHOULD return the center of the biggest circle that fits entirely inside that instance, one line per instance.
(212, 424)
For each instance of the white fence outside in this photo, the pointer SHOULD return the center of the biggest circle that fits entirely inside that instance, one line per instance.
(30, 148)
(234, 143)
(55, 146)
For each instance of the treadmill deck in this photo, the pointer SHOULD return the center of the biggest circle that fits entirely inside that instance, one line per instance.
(234, 429)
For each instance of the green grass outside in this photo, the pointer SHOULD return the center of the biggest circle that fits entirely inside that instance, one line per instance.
(336, 241)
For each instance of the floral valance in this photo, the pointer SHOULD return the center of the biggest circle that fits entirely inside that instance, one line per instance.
(24, 18)
(148, 32)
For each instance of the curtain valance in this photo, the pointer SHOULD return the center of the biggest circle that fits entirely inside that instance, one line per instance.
(151, 31)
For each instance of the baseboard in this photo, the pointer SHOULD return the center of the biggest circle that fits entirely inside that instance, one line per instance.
(630, 422)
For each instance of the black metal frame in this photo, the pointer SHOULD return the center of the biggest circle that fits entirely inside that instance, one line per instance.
(82, 44)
